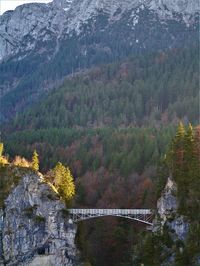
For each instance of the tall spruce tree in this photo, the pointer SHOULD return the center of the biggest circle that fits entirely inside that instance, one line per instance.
(183, 159)
(189, 158)
(177, 152)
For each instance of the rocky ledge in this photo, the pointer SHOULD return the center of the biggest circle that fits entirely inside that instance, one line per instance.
(35, 228)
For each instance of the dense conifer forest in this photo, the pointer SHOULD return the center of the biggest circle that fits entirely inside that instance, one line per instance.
(153, 90)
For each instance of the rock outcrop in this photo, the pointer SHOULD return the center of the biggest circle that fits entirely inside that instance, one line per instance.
(167, 204)
(167, 207)
(35, 227)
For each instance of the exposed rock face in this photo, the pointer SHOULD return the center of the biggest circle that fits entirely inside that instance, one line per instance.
(180, 226)
(35, 228)
(22, 28)
(167, 204)
(167, 209)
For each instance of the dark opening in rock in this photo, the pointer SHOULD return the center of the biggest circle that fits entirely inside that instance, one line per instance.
(41, 251)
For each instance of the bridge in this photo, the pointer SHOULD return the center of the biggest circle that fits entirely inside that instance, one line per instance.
(140, 215)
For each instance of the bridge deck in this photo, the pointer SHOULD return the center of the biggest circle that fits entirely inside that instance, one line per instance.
(140, 215)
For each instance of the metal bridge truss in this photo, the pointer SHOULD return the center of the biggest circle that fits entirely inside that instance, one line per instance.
(141, 215)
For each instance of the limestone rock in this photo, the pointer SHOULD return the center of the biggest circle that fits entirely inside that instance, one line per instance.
(29, 24)
(167, 204)
(167, 207)
(180, 227)
(36, 229)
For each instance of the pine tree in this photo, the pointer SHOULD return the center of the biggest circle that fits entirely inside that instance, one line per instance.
(63, 181)
(189, 159)
(184, 161)
(176, 162)
(177, 152)
(193, 171)
(35, 161)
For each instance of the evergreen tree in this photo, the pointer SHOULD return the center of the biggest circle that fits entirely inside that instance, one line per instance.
(176, 154)
(35, 161)
(63, 181)
(184, 159)
(189, 159)
(178, 163)
(184, 165)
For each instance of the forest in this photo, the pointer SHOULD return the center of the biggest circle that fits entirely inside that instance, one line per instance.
(112, 126)
(145, 90)
(182, 161)
(120, 241)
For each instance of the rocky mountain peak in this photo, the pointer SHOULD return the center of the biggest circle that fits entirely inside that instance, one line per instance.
(183, 6)
(65, 4)
(81, 11)
(179, 6)
(21, 28)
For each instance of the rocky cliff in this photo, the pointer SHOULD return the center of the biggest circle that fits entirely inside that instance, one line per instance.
(21, 30)
(167, 207)
(171, 230)
(174, 239)
(35, 228)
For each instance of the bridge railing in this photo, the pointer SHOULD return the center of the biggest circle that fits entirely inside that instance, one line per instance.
(111, 211)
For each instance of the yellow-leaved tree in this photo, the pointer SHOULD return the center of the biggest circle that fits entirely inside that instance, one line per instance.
(3, 159)
(35, 161)
(64, 182)
(1, 149)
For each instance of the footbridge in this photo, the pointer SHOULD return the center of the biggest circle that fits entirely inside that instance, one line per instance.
(140, 215)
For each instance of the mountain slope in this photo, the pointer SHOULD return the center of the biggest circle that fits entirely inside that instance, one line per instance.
(141, 91)
(114, 167)
(41, 44)
(89, 112)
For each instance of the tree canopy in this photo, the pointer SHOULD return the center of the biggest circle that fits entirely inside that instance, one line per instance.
(1, 149)
(63, 181)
